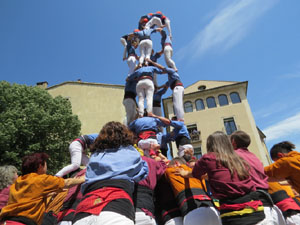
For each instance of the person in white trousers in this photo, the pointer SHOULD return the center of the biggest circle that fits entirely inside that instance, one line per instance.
(145, 86)
(177, 87)
(77, 151)
(130, 44)
(168, 50)
(159, 20)
(129, 101)
(145, 44)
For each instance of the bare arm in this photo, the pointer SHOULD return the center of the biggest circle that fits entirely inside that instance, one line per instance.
(70, 182)
(163, 119)
(156, 64)
(184, 173)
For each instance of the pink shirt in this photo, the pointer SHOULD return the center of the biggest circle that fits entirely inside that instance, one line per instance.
(257, 171)
(220, 180)
(4, 194)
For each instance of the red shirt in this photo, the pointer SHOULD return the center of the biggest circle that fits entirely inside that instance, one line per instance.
(220, 180)
(4, 194)
(257, 171)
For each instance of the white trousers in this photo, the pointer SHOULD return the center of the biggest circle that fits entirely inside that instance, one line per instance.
(178, 102)
(157, 21)
(65, 223)
(168, 53)
(142, 219)
(105, 218)
(77, 158)
(145, 89)
(130, 108)
(202, 216)
(145, 50)
(131, 61)
(293, 220)
(175, 221)
(273, 216)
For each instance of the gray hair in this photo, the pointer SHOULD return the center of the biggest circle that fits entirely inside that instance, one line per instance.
(7, 174)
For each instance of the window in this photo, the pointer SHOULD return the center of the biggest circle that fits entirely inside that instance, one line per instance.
(230, 126)
(211, 102)
(193, 132)
(235, 98)
(201, 87)
(199, 104)
(198, 152)
(223, 100)
(188, 107)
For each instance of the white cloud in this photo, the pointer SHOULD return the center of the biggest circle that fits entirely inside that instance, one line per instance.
(285, 128)
(230, 24)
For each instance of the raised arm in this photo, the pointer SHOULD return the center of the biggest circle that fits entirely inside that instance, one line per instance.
(156, 64)
(162, 119)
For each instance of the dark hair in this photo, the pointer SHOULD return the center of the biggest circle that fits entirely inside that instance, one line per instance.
(282, 147)
(241, 139)
(32, 162)
(177, 159)
(113, 135)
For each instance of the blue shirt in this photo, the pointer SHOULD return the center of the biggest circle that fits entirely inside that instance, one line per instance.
(165, 39)
(163, 139)
(146, 33)
(179, 129)
(145, 71)
(122, 163)
(130, 49)
(146, 124)
(158, 94)
(172, 76)
(130, 86)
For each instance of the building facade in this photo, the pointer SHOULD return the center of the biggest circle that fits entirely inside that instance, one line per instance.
(218, 106)
(95, 104)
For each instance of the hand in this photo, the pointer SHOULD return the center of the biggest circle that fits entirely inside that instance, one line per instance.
(182, 172)
(124, 59)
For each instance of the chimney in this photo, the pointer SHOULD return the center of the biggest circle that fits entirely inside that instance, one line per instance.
(43, 84)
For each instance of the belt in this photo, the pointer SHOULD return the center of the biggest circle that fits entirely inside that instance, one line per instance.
(145, 77)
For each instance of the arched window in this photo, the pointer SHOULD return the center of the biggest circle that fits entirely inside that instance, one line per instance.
(188, 107)
(199, 104)
(211, 102)
(223, 100)
(235, 98)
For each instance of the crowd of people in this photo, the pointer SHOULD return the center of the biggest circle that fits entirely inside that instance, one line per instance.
(128, 179)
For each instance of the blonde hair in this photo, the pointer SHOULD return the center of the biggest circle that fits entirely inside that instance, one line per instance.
(219, 143)
(7, 175)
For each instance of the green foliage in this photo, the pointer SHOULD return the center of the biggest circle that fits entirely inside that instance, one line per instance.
(31, 120)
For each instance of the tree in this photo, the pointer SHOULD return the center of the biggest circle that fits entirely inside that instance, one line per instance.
(31, 120)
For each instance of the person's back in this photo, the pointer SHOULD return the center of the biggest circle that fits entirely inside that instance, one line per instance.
(195, 205)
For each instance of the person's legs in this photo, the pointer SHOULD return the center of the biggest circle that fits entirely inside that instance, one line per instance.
(202, 215)
(148, 49)
(140, 91)
(154, 21)
(105, 218)
(149, 90)
(168, 52)
(75, 150)
(178, 102)
(131, 61)
(142, 51)
(175, 221)
(273, 216)
(157, 111)
(142, 219)
(168, 26)
(130, 108)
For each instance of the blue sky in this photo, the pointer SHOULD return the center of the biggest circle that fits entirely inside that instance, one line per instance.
(232, 40)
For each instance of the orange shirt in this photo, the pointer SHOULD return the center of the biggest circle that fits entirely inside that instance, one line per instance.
(179, 183)
(28, 196)
(286, 168)
(275, 186)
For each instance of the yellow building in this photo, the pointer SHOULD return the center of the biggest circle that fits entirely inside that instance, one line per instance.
(94, 103)
(218, 105)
